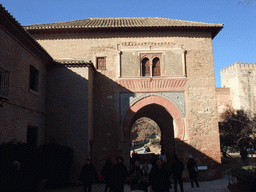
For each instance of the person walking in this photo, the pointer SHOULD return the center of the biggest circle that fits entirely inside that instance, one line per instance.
(106, 171)
(144, 182)
(244, 155)
(118, 175)
(192, 170)
(176, 169)
(163, 156)
(135, 176)
(87, 175)
(159, 177)
(13, 178)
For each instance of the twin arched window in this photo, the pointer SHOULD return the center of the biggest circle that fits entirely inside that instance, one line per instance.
(149, 66)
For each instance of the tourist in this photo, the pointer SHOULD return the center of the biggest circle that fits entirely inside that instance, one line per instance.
(145, 168)
(14, 178)
(87, 175)
(146, 149)
(135, 176)
(163, 156)
(133, 153)
(159, 177)
(118, 175)
(134, 157)
(176, 169)
(144, 181)
(244, 155)
(193, 171)
(106, 172)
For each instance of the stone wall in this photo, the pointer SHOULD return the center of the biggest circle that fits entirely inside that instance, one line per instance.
(239, 77)
(69, 120)
(194, 77)
(223, 100)
(25, 106)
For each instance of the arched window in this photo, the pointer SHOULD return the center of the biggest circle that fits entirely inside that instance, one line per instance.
(156, 67)
(150, 64)
(145, 67)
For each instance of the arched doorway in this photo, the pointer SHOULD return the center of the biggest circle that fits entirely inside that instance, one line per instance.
(165, 122)
(164, 113)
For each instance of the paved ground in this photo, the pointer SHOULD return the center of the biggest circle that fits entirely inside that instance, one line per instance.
(219, 185)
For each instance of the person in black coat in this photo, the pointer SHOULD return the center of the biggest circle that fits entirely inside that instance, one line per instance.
(106, 172)
(176, 169)
(193, 171)
(118, 175)
(135, 176)
(87, 175)
(244, 155)
(159, 177)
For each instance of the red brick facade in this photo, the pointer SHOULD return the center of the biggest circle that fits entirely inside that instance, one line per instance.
(26, 107)
(92, 112)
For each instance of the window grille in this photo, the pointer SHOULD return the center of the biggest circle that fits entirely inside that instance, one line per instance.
(4, 83)
(33, 78)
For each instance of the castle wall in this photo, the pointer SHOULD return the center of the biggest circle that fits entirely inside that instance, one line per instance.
(240, 78)
(223, 100)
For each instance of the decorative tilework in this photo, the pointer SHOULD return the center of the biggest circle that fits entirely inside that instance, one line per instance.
(128, 99)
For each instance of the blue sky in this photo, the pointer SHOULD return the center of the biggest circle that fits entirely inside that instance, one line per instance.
(236, 42)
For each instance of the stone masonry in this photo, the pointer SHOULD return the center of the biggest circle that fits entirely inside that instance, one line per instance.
(240, 78)
(92, 87)
(186, 67)
(25, 107)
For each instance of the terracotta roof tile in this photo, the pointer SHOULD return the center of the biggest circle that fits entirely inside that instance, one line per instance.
(72, 63)
(121, 23)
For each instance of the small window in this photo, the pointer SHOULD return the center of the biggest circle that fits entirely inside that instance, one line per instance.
(32, 135)
(4, 83)
(101, 63)
(33, 79)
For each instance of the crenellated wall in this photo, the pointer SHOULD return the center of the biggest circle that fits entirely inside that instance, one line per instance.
(240, 78)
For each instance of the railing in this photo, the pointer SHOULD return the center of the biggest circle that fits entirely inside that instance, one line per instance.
(4, 84)
(248, 184)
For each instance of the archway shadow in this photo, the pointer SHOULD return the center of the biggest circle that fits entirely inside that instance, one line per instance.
(209, 169)
(112, 133)
(109, 137)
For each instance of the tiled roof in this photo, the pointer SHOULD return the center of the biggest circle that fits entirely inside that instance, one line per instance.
(72, 63)
(122, 23)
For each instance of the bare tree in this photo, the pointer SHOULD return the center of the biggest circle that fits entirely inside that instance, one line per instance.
(237, 126)
(144, 129)
(247, 2)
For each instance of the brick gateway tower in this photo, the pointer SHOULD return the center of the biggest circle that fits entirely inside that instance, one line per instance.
(145, 67)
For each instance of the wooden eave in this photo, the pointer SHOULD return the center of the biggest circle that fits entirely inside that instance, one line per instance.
(213, 30)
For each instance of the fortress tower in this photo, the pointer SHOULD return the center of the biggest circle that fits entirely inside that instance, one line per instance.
(240, 78)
